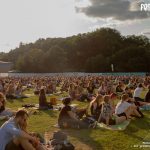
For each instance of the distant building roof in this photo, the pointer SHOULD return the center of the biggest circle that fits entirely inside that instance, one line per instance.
(5, 66)
(4, 62)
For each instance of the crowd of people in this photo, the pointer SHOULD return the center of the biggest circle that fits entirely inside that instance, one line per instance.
(111, 100)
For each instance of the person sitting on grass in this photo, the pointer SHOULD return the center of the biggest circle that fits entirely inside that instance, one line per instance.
(10, 91)
(12, 137)
(106, 116)
(72, 91)
(4, 112)
(90, 90)
(49, 89)
(119, 88)
(128, 91)
(43, 104)
(83, 94)
(102, 89)
(137, 93)
(1, 86)
(67, 118)
(113, 98)
(19, 92)
(147, 97)
(95, 106)
(125, 108)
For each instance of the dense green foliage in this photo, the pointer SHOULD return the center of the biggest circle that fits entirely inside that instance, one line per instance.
(89, 52)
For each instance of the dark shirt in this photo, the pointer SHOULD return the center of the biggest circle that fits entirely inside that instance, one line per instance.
(147, 97)
(64, 114)
(42, 101)
(96, 112)
(130, 95)
(90, 90)
(2, 108)
(119, 89)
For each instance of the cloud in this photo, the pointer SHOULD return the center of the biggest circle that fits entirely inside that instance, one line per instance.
(146, 32)
(106, 23)
(6, 45)
(121, 10)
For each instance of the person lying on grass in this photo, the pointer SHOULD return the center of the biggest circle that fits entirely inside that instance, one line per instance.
(125, 108)
(5, 112)
(13, 136)
(67, 118)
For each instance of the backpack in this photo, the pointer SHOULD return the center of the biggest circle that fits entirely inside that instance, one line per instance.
(59, 142)
(89, 121)
(59, 135)
(53, 101)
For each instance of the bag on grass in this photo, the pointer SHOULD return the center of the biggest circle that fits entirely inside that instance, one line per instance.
(59, 142)
(53, 101)
(89, 121)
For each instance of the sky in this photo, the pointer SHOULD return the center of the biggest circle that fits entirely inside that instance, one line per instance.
(28, 20)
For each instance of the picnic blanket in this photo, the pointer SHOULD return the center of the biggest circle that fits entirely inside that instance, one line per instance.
(31, 110)
(145, 107)
(119, 127)
(29, 95)
(59, 106)
(54, 94)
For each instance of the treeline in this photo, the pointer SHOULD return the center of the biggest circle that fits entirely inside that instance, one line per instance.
(89, 52)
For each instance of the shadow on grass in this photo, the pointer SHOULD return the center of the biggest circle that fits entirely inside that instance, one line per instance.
(137, 125)
(84, 136)
(51, 113)
(15, 100)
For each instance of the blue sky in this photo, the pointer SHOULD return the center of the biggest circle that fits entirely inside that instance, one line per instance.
(28, 20)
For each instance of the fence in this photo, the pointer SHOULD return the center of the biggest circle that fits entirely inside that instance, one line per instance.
(72, 74)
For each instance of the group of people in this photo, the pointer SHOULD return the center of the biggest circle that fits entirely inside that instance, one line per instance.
(100, 92)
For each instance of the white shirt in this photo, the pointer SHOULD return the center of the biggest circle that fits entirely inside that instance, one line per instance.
(121, 107)
(137, 92)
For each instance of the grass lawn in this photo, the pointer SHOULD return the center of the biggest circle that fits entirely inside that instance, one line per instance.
(91, 139)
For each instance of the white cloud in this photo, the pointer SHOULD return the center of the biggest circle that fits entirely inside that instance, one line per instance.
(116, 9)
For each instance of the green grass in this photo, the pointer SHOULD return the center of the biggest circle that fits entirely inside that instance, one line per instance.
(88, 139)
